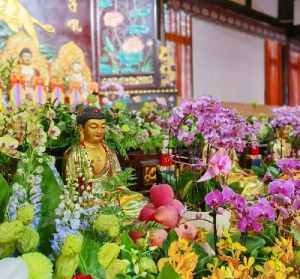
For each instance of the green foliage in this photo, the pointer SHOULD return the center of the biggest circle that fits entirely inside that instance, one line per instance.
(125, 178)
(168, 273)
(6, 68)
(88, 264)
(172, 236)
(128, 131)
(269, 234)
(264, 168)
(4, 197)
(51, 190)
(253, 244)
(65, 120)
(144, 227)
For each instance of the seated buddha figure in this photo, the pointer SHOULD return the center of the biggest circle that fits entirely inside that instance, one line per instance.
(91, 158)
(91, 161)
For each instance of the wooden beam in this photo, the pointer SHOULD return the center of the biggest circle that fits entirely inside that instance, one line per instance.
(247, 11)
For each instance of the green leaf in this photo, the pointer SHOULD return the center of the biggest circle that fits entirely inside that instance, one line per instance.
(172, 236)
(127, 241)
(88, 264)
(51, 190)
(236, 187)
(269, 234)
(4, 197)
(274, 171)
(199, 251)
(201, 268)
(296, 234)
(254, 243)
(186, 188)
(210, 240)
(168, 272)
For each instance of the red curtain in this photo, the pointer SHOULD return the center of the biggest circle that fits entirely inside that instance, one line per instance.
(178, 35)
(273, 73)
(294, 78)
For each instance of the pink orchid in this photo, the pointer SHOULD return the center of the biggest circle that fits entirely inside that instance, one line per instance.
(219, 164)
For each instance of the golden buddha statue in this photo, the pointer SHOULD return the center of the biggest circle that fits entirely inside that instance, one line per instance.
(282, 148)
(92, 162)
(91, 158)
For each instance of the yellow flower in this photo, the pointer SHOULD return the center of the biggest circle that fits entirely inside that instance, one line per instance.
(283, 249)
(224, 272)
(182, 258)
(244, 270)
(178, 248)
(274, 268)
(201, 236)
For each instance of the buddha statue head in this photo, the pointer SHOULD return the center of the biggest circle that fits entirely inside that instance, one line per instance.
(25, 57)
(91, 125)
(76, 67)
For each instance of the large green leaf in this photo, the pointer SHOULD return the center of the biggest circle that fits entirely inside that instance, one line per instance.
(51, 191)
(254, 243)
(172, 236)
(4, 197)
(88, 264)
(168, 273)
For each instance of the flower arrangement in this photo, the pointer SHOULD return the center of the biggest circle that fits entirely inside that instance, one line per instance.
(219, 126)
(128, 131)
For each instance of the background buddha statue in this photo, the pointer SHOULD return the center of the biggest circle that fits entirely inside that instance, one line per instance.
(282, 148)
(91, 157)
(78, 85)
(70, 64)
(27, 70)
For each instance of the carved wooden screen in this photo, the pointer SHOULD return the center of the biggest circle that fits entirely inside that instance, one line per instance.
(126, 41)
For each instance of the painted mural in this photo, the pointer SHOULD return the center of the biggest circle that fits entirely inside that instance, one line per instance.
(45, 47)
(128, 37)
(54, 50)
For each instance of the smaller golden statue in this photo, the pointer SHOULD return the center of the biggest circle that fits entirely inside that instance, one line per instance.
(282, 148)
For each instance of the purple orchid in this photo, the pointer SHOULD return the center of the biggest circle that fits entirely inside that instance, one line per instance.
(288, 166)
(246, 224)
(282, 190)
(296, 203)
(186, 137)
(214, 199)
(262, 210)
(287, 116)
(221, 127)
(219, 164)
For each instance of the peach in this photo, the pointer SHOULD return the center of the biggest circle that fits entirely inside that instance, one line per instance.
(167, 215)
(147, 213)
(179, 206)
(161, 194)
(186, 231)
(157, 237)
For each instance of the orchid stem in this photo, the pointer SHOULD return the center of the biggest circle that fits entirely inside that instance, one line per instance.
(215, 231)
